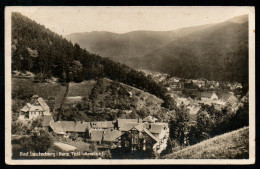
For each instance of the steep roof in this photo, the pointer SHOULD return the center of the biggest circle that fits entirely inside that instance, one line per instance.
(207, 94)
(224, 95)
(46, 120)
(56, 127)
(70, 126)
(227, 96)
(155, 128)
(25, 108)
(102, 124)
(111, 135)
(120, 122)
(29, 104)
(96, 135)
(127, 126)
(151, 135)
(140, 127)
(43, 104)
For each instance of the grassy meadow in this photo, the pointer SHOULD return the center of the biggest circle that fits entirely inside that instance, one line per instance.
(232, 145)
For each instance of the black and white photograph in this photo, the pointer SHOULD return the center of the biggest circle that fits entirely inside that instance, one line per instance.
(130, 85)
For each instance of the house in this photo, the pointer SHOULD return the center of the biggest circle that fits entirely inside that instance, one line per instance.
(208, 95)
(159, 130)
(212, 84)
(143, 136)
(135, 135)
(201, 83)
(37, 109)
(228, 97)
(97, 136)
(112, 136)
(68, 127)
(46, 122)
(121, 122)
(102, 124)
(193, 93)
(137, 138)
(189, 84)
(127, 126)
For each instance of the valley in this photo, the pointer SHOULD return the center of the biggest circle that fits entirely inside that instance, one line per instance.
(137, 95)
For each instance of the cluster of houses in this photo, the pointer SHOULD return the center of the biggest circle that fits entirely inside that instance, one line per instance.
(129, 133)
(120, 133)
(175, 83)
(193, 99)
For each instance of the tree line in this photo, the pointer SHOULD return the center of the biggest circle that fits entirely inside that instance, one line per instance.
(45, 53)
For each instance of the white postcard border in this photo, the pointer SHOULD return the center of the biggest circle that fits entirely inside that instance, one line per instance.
(10, 161)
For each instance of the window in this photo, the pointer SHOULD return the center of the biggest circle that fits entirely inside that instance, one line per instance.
(126, 144)
(135, 139)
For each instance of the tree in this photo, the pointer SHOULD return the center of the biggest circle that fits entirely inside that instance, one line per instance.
(169, 102)
(75, 73)
(203, 125)
(35, 142)
(40, 142)
(179, 125)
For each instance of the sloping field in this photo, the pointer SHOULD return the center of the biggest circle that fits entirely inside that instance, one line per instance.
(232, 145)
(81, 89)
(44, 90)
(48, 91)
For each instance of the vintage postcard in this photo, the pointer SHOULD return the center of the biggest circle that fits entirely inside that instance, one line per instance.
(129, 85)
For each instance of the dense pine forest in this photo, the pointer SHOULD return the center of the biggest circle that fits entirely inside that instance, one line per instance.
(45, 53)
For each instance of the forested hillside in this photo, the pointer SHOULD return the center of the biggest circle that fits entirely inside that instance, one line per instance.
(104, 99)
(39, 50)
(219, 52)
(127, 47)
(215, 51)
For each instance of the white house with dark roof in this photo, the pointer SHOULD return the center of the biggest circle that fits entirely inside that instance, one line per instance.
(36, 109)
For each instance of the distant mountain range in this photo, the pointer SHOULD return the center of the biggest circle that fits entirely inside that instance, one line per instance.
(126, 47)
(215, 51)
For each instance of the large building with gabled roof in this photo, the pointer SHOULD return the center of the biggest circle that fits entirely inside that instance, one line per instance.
(37, 109)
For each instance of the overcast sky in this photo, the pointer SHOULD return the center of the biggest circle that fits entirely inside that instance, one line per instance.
(66, 20)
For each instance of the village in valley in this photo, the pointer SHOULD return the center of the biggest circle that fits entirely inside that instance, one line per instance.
(69, 102)
(192, 93)
(136, 133)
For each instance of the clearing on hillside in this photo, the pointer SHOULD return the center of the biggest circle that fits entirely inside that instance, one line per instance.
(232, 145)
(48, 91)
